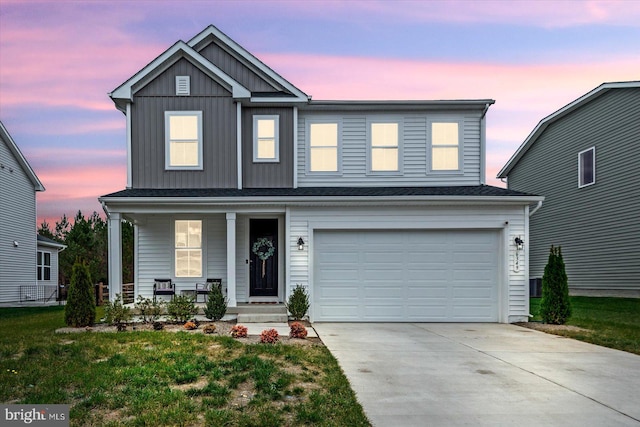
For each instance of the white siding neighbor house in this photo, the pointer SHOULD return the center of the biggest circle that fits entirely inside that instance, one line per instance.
(378, 208)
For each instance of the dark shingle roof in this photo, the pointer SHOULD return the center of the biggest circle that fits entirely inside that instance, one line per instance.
(338, 192)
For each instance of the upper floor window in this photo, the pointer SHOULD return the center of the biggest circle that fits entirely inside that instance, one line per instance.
(188, 248)
(323, 147)
(183, 139)
(266, 139)
(44, 265)
(587, 167)
(385, 148)
(445, 146)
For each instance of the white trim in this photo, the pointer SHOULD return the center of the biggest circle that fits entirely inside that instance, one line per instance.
(580, 184)
(203, 252)
(429, 160)
(399, 121)
(39, 266)
(276, 138)
(114, 232)
(323, 120)
(231, 259)
(22, 161)
(295, 147)
(167, 140)
(287, 248)
(129, 149)
(239, 143)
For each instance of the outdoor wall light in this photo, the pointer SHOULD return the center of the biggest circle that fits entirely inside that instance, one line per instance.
(15, 244)
(519, 243)
(300, 244)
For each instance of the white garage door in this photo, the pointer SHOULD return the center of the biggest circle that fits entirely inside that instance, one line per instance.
(406, 276)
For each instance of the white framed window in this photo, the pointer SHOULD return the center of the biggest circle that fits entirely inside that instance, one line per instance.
(266, 139)
(324, 146)
(183, 140)
(44, 265)
(587, 167)
(445, 146)
(188, 248)
(384, 146)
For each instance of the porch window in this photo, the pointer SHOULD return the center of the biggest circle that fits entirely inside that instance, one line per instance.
(266, 139)
(384, 147)
(323, 147)
(188, 248)
(445, 146)
(44, 265)
(183, 140)
(587, 167)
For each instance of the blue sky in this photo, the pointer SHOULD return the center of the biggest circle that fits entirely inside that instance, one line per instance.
(58, 61)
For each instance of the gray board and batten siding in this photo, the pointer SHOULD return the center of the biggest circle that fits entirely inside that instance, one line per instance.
(598, 226)
(415, 155)
(148, 135)
(17, 223)
(269, 174)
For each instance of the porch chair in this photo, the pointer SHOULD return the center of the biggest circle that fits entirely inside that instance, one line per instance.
(204, 288)
(163, 287)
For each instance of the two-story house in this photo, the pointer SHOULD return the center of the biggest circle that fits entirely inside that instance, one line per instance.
(584, 159)
(379, 208)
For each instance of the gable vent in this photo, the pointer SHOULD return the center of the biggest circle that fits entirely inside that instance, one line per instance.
(183, 85)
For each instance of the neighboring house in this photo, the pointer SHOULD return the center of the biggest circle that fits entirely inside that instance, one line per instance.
(18, 229)
(584, 159)
(47, 261)
(379, 208)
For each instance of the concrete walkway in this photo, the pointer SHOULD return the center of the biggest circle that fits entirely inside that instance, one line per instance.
(424, 374)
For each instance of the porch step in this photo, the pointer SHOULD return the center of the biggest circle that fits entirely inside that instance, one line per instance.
(262, 318)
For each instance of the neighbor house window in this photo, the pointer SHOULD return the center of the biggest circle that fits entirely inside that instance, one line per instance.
(323, 147)
(188, 248)
(44, 265)
(384, 147)
(445, 146)
(183, 143)
(266, 140)
(587, 167)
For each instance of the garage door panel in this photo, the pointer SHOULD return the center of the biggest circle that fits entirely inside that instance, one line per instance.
(406, 275)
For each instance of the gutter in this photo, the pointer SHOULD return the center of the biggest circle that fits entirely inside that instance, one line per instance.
(105, 209)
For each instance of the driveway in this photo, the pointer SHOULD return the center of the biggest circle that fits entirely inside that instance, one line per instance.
(425, 374)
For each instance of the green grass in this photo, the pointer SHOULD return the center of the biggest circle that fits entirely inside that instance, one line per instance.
(610, 322)
(162, 378)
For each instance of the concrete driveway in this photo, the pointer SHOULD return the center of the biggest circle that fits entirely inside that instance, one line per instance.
(425, 374)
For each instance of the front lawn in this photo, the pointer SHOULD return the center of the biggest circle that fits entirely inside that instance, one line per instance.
(159, 378)
(610, 322)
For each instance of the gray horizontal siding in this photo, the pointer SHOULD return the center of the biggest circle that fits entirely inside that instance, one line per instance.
(236, 69)
(598, 226)
(414, 166)
(268, 175)
(17, 223)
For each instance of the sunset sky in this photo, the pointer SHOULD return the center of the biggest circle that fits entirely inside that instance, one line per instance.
(58, 61)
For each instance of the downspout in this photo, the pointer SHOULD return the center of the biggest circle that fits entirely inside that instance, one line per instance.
(538, 206)
(105, 209)
(483, 144)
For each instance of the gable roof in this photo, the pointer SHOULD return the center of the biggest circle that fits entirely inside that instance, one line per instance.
(22, 161)
(124, 93)
(45, 241)
(567, 109)
(247, 59)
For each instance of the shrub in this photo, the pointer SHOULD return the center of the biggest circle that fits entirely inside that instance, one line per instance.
(81, 304)
(239, 331)
(298, 302)
(190, 325)
(298, 330)
(149, 309)
(115, 313)
(216, 303)
(181, 308)
(555, 306)
(269, 336)
(209, 329)
(158, 326)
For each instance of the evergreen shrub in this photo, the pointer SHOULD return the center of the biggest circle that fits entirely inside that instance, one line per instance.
(555, 306)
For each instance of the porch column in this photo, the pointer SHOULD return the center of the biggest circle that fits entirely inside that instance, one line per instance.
(231, 259)
(114, 231)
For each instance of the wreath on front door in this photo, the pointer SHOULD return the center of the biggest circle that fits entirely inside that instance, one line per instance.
(263, 248)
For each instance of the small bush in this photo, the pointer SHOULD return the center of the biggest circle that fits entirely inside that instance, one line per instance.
(181, 308)
(216, 303)
(269, 336)
(158, 326)
(239, 331)
(190, 325)
(209, 329)
(298, 302)
(555, 306)
(298, 330)
(115, 313)
(149, 309)
(81, 304)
